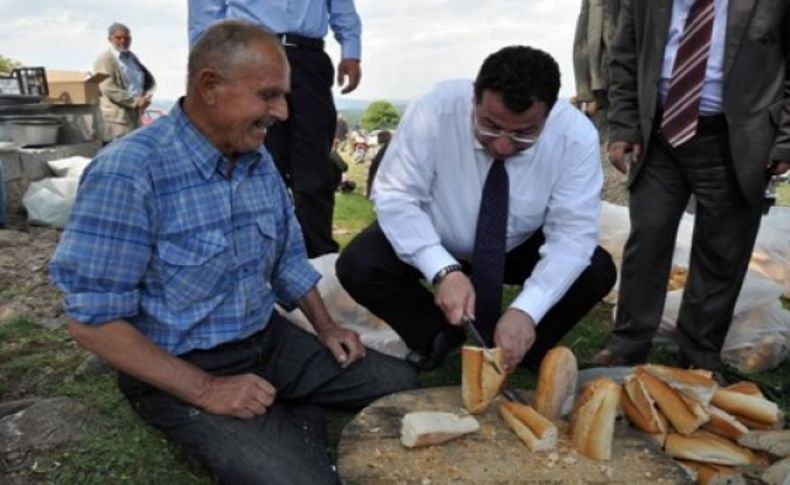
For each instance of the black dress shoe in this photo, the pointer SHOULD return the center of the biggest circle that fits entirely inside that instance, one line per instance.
(441, 345)
(605, 358)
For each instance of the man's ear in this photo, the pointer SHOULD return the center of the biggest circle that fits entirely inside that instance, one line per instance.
(208, 83)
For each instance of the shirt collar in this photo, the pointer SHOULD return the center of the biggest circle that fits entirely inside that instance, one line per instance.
(205, 156)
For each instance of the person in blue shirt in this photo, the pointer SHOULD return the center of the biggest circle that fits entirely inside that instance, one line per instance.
(180, 242)
(302, 144)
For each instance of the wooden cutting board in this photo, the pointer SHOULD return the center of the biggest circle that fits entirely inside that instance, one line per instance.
(370, 451)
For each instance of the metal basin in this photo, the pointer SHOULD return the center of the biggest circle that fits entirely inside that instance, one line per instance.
(29, 131)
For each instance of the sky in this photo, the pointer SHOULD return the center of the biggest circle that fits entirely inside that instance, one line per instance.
(407, 45)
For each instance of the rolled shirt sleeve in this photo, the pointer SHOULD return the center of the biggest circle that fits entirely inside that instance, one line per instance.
(105, 250)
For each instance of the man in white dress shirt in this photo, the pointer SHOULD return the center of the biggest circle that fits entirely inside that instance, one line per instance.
(428, 193)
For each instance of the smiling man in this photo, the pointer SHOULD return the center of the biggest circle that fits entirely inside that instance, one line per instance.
(486, 183)
(181, 240)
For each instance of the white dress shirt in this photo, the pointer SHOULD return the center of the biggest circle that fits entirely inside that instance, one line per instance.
(428, 188)
(711, 101)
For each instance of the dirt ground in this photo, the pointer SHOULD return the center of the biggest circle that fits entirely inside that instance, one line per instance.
(24, 277)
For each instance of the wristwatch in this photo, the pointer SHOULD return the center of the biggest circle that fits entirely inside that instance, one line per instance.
(439, 276)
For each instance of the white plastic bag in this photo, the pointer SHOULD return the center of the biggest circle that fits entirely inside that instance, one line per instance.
(49, 201)
(69, 167)
(771, 256)
(373, 331)
(759, 335)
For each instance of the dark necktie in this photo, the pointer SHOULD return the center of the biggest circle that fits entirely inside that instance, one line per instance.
(488, 259)
(681, 108)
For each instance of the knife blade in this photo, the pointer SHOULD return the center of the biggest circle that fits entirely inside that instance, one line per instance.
(471, 330)
(469, 326)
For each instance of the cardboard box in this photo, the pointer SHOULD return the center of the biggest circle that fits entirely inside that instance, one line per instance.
(74, 87)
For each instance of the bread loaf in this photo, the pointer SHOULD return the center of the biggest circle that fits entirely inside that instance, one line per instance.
(640, 408)
(695, 384)
(745, 387)
(537, 432)
(724, 424)
(774, 442)
(671, 404)
(706, 447)
(556, 388)
(480, 381)
(710, 474)
(425, 428)
(592, 420)
(751, 407)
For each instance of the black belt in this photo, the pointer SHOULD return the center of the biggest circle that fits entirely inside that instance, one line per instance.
(709, 125)
(293, 40)
(706, 125)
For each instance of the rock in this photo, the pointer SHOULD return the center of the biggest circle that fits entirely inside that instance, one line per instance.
(41, 424)
(92, 366)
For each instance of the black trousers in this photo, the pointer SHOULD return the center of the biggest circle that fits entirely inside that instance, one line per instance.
(286, 444)
(725, 228)
(375, 277)
(301, 146)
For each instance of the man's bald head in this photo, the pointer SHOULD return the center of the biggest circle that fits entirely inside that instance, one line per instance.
(226, 45)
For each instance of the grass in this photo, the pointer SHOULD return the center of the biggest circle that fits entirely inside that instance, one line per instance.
(120, 448)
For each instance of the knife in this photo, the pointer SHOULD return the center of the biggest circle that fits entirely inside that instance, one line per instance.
(471, 330)
(469, 326)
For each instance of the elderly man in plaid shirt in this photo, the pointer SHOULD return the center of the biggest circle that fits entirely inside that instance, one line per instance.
(182, 239)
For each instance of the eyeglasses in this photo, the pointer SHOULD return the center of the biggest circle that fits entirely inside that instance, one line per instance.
(516, 138)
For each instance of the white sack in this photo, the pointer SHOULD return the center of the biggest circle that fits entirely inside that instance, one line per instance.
(373, 331)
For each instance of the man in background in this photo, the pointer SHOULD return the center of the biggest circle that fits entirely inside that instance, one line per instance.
(700, 105)
(129, 87)
(301, 145)
(595, 30)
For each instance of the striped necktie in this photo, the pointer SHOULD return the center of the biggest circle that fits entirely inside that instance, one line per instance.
(681, 108)
(488, 257)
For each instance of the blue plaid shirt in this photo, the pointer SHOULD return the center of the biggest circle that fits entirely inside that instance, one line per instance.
(161, 238)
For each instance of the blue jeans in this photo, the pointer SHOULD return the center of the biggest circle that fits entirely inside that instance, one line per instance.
(279, 446)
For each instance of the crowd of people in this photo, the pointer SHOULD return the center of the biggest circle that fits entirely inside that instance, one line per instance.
(187, 232)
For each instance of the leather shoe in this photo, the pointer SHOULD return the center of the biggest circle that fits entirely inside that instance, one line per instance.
(442, 343)
(605, 358)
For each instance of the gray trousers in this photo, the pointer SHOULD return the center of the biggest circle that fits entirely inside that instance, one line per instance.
(725, 228)
(279, 446)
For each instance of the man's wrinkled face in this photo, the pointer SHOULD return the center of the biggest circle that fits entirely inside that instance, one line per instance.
(502, 132)
(121, 40)
(251, 98)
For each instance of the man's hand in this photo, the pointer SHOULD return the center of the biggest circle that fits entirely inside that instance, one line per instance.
(778, 167)
(618, 151)
(344, 344)
(591, 108)
(515, 335)
(348, 68)
(243, 396)
(455, 296)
